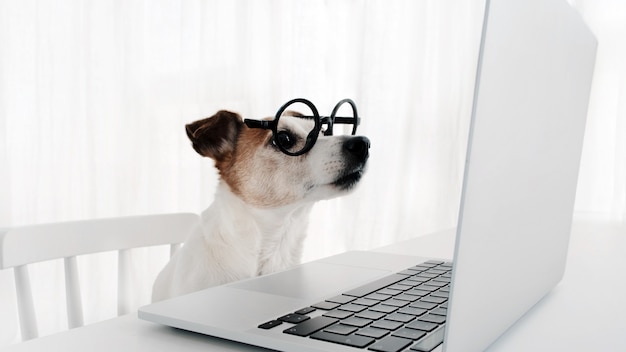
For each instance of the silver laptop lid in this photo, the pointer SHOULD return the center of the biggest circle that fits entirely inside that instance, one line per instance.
(530, 105)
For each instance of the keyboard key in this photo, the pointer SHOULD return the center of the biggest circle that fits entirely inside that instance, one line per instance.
(441, 279)
(341, 329)
(372, 332)
(432, 318)
(370, 314)
(412, 311)
(423, 305)
(310, 326)
(439, 311)
(338, 314)
(349, 340)
(409, 333)
(377, 296)
(341, 299)
(306, 310)
(325, 305)
(425, 287)
(437, 284)
(386, 324)
(440, 294)
(407, 297)
(383, 308)
(388, 292)
(433, 262)
(294, 318)
(358, 322)
(427, 266)
(375, 285)
(395, 302)
(270, 324)
(427, 274)
(429, 342)
(355, 308)
(432, 299)
(436, 271)
(417, 293)
(400, 287)
(390, 344)
(421, 325)
(365, 302)
(417, 279)
(403, 318)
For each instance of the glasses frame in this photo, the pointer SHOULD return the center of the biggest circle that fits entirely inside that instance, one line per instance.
(319, 121)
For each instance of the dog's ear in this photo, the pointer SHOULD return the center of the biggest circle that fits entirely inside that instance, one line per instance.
(215, 137)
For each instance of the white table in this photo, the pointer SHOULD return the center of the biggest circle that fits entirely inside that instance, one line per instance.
(585, 312)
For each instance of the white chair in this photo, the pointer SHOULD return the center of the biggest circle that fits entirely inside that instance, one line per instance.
(26, 245)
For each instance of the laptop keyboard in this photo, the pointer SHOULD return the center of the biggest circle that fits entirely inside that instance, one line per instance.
(405, 311)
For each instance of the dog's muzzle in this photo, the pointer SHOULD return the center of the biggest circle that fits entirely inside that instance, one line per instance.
(356, 150)
(358, 147)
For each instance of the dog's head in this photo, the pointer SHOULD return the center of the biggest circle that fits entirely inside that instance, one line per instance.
(262, 175)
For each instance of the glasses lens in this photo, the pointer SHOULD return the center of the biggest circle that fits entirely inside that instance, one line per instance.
(345, 117)
(295, 129)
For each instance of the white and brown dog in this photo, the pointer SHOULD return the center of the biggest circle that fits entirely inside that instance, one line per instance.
(257, 222)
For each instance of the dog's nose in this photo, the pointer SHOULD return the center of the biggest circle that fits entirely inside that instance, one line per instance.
(358, 146)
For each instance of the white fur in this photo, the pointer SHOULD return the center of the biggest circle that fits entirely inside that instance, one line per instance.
(234, 241)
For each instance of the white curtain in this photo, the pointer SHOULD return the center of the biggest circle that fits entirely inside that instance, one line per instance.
(602, 180)
(94, 96)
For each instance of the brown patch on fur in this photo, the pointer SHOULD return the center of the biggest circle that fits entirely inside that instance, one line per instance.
(239, 168)
(260, 174)
(216, 136)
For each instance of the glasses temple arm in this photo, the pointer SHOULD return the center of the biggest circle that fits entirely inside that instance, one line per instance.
(264, 124)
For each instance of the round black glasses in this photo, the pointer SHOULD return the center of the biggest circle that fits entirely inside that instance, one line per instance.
(294, 139)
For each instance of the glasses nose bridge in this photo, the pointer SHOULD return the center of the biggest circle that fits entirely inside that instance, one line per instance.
(330, 121)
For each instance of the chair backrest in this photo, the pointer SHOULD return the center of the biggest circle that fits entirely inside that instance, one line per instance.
(26, 245)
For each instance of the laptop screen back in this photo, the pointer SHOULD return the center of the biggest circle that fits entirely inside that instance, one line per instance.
(530, 105)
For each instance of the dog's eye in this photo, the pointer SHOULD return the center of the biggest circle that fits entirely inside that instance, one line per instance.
(284, 139)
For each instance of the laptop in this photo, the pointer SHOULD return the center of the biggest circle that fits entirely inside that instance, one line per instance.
(532, 87)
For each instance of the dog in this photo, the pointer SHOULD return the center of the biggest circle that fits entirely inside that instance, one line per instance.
(257, 222)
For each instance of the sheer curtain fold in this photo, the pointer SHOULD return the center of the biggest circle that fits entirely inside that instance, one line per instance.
(94, 96)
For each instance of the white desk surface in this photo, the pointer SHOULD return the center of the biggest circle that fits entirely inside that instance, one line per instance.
(585, 312)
